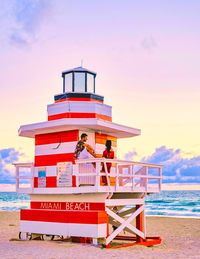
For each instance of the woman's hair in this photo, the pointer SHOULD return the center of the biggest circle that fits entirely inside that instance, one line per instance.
(108, 145)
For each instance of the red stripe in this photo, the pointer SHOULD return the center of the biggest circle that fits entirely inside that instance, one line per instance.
(84, 99)
(35, 182)
(103, 117)
(78, 99)
(51, 181)
(78, 115)
(80, 206)
(81, 217)
(61, 100)
(49, 160)
(74, 181)
(57, 137)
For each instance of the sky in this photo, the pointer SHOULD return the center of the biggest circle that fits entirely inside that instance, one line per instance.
(147, 58)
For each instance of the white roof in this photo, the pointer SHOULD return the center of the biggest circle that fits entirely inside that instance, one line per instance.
(98, 125)
(79, 69)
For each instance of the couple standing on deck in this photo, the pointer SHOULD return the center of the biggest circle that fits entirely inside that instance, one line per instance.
(83, 150)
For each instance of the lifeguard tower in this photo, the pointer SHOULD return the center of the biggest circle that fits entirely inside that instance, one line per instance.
(67, 196)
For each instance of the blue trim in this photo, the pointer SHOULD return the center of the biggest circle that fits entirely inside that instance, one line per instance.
(63, 76)
(64, 73)
(78, 95)
(85, 82)
(94, 83)
(72, 81)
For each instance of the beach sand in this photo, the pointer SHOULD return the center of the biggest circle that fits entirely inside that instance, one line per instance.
(180, 239)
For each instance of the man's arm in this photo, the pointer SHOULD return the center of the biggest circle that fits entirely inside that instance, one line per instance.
(79, 148)
(90, 150)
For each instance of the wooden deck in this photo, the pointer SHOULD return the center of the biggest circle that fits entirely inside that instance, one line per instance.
(125, 177)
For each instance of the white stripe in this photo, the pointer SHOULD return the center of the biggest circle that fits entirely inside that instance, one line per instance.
(55, 148)
(65, 229)
(64, 148)
(84, 197)
(50, 170)
(79, 107)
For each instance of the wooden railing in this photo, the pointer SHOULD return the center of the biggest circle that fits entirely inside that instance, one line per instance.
(30, 177)
(125, 173)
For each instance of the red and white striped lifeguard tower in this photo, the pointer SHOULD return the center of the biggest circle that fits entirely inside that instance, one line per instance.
(67, 196)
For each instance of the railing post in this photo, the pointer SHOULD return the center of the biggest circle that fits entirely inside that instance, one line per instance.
(140, 222)
(117, 176)
(144, 220)
(17, 178)
(106, 171)
(146, 180)
(98, 168)
(75, 176)
(160, 179)
(133, 179)
(32, 178)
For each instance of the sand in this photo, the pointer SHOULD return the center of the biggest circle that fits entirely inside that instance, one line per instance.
(180, 239)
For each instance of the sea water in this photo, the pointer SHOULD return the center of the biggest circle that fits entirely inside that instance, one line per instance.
(174, 203)
(167, 203)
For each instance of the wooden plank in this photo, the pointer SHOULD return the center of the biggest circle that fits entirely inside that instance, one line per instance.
(51, 181)
(125, 223)
(89, 198)
(65, 229)
(126, 212)
(83, 217)
(35, 182)
(79, 107)
(116, 224)
(139, 222)
(57, 137)
(78, 115)
(116, 202)
(83, 100)
(56, 148)
(49, 160)
(80, 206)
(50, 171)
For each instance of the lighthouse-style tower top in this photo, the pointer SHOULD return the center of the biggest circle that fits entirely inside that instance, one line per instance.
(79, 79)
(78, 108)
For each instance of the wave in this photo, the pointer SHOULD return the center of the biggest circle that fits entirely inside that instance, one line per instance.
(167, 203)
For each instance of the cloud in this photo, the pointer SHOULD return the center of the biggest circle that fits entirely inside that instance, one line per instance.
(7, 171)
(130, 155)
(177, 169)
(17, 40)
(149, 43)
(22, 20)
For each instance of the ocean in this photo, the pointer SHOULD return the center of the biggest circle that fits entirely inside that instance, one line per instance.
(167, 203)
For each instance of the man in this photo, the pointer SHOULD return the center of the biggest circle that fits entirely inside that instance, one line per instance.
(82, 151)
(82, 146)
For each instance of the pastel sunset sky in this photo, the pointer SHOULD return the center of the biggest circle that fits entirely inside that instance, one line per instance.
(147, 58)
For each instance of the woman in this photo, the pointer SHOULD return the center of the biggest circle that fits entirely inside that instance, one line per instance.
(108, 153)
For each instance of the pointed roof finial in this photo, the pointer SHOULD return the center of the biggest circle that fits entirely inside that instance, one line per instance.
(81, 62)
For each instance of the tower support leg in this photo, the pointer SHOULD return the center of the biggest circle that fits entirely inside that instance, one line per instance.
(140, 223)
(117, 220)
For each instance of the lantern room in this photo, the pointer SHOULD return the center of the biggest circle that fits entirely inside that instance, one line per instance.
(79, 80)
